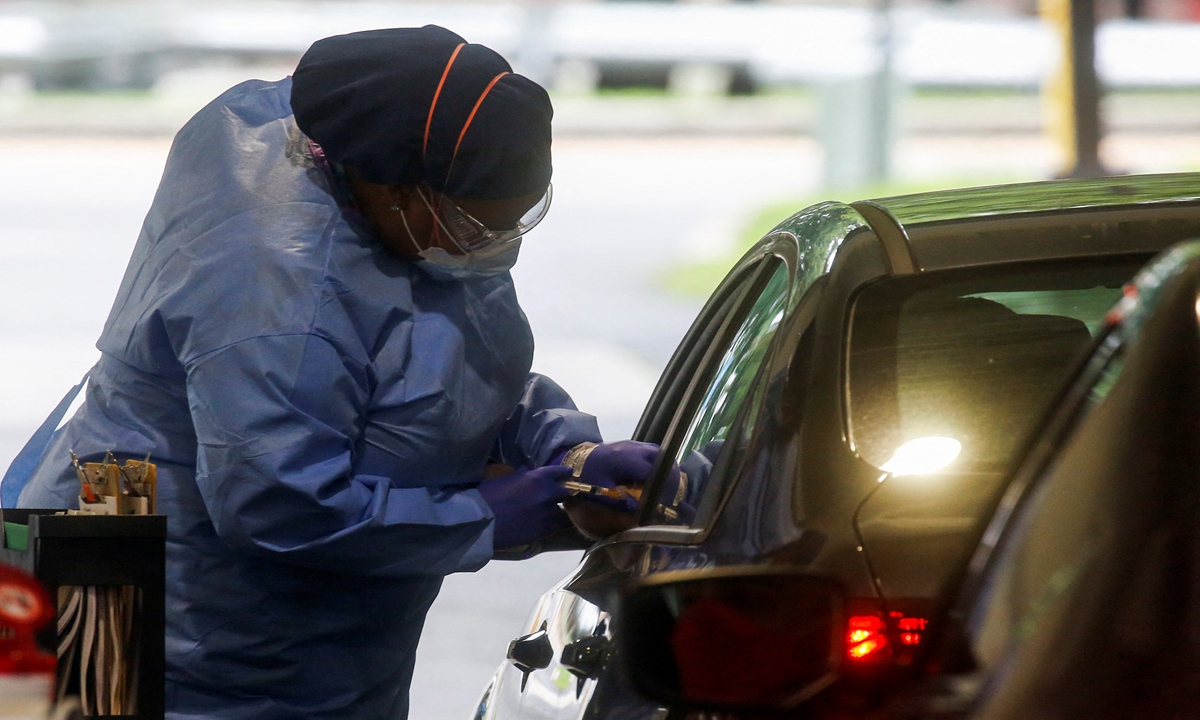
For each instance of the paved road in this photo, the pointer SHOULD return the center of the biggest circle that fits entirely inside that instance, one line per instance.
(588, 279)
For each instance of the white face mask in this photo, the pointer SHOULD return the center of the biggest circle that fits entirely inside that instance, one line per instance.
(484, 263)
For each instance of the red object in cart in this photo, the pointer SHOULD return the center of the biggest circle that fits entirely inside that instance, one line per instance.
(27, 674)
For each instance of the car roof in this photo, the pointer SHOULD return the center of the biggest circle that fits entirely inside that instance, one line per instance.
(1038, 197)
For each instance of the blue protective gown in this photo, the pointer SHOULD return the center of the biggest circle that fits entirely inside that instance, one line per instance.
(320, 412)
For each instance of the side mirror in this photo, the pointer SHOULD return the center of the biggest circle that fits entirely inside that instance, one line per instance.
(739, 639)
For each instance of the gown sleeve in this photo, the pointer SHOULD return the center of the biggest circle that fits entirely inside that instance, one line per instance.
(276, 419)
(544, 423)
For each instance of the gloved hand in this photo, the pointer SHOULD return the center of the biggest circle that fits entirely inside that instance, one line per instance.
(626, 462)
(608, 465)
(673, 507)
(525, 504)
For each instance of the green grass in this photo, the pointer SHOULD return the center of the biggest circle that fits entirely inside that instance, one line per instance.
(632, 91)
(700, 279)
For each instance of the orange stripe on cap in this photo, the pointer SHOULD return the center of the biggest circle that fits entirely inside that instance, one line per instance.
(471, 117)
(436, 94)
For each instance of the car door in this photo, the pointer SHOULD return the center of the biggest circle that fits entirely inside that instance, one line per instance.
(1084, 598)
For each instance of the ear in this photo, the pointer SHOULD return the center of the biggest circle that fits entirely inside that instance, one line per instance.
(403, 197)
(397, 197)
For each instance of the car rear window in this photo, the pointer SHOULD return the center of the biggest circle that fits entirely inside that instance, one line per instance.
(949, 372)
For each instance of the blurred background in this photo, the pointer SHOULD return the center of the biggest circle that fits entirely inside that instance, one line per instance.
(683, 132)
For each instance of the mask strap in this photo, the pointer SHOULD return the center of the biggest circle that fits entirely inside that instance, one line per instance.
(436, 94)
(438, 226)
(411, 236)
(407, 229)
(471, 118)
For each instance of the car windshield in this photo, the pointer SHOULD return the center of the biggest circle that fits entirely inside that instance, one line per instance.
(948, 375)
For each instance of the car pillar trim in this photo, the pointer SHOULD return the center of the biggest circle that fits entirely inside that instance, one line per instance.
(896, 249)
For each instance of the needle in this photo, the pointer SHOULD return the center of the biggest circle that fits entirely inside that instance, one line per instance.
(592, 489)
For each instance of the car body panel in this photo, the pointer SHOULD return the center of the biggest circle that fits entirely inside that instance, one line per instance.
(552, 692)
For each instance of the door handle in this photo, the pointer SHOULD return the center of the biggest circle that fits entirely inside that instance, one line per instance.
(583, 658)
(531, 652)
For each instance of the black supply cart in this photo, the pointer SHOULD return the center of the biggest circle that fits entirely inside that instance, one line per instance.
(102, 551)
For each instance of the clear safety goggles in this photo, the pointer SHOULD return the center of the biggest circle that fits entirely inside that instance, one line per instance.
(470, 235)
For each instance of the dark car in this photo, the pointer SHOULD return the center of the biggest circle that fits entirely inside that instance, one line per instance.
(1081, 598)
(848, 411)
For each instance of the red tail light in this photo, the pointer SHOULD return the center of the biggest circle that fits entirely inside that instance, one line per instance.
(867, 636)
(870, 637)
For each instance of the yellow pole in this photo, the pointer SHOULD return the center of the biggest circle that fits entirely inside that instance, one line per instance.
(1058, 95)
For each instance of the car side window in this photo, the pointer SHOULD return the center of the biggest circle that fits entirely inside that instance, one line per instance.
(725, 395)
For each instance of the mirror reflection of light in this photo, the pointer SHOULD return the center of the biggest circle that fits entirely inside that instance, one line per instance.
(922, 455)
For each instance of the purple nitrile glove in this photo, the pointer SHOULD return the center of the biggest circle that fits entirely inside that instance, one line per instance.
(626, 462)
(673, 507)
(608, 465)
(525, 504)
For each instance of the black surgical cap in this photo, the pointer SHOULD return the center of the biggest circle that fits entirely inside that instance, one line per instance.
(365, 98)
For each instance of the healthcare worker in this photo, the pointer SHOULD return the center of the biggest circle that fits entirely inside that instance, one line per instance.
(318, 342)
